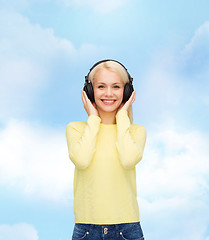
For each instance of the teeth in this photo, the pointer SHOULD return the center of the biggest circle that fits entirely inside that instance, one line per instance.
(107, 101)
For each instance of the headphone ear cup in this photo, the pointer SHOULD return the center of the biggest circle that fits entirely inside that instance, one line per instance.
(128, 89)
(88, 88)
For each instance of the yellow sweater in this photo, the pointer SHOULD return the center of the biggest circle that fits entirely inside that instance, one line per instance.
(105, 156)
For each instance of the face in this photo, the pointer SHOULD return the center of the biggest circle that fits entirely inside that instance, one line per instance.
(108, 90)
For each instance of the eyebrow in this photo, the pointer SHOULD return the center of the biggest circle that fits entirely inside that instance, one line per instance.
(118, 83)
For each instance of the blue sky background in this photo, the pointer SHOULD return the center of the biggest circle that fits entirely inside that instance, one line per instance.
(46, 49)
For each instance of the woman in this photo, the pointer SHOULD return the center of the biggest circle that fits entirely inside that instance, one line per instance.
(105, 150)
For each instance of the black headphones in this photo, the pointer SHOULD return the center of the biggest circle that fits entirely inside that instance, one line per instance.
(88, 87)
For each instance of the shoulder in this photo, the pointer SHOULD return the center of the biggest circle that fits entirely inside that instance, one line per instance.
(77, 126)
(137, 129)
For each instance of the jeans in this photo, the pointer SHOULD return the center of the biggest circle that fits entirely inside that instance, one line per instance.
(123, 231)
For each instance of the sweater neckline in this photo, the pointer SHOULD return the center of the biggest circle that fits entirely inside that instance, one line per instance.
(107, 125)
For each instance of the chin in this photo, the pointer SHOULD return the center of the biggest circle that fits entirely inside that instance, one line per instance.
(109, 108)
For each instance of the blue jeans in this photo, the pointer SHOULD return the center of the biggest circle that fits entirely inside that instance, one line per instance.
(123, 231)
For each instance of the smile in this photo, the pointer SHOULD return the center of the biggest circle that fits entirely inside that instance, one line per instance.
(108, 102)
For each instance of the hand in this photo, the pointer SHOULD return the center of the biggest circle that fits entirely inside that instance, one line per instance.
(89, 107)
(128, 104)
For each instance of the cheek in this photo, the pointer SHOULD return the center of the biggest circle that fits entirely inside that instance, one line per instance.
(97, 96)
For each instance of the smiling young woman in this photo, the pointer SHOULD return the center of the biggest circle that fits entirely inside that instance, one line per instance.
(108, 93)
(105, 150)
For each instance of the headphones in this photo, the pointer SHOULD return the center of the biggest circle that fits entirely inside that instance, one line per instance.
(88, 87)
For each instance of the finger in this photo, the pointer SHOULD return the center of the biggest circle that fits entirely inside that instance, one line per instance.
(83, 98)
(134, 96)
(87, 100)
(82, 95)
(88, 104)
(130, 100)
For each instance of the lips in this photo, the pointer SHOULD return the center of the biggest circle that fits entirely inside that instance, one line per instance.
(108, 101)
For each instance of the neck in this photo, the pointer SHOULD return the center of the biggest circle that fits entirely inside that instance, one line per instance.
(108, 117)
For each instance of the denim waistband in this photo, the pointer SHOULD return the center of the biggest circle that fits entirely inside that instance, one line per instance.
(109, 226)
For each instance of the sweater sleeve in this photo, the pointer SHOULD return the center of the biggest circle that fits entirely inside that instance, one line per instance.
(81, 141)
(130, 140)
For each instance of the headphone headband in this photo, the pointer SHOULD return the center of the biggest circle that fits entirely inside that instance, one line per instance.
(106, 60)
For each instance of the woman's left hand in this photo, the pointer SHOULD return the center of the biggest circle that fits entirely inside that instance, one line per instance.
(128, 104)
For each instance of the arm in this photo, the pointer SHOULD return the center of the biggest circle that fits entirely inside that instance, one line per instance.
(130, 140)
(81, 141)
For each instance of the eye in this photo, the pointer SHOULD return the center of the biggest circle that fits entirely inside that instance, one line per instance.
(100, 86)
(116, 86)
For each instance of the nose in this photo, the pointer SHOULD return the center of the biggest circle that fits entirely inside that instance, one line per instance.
(109, 92)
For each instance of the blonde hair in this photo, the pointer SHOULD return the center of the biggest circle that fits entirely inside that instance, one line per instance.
(114, 67)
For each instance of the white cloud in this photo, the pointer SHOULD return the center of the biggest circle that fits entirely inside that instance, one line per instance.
(173, 176)
(160, 89)
(173, 184)
(30, 57)
(20, 80)
(35, 160)
(200, 40)
(195, 55)
(20, 231)
(21, 38)
(174, 219)
(176, 163)
(27, 53)
(97, 6)
(176, 83)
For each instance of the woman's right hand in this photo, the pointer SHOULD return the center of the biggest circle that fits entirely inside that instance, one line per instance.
(89, 107)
